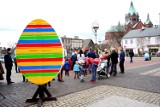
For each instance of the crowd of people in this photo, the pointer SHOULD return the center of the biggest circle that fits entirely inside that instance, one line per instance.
(82, 62)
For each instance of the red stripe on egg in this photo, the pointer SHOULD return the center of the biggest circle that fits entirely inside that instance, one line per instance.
(39, 45)
(39, 59)
(38, 26)
(39, 71)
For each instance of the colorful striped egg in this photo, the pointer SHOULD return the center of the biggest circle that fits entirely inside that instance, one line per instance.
(39, 52)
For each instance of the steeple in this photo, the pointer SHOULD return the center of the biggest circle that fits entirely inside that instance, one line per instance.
(132, 16)
(148, 21)
(132, 10)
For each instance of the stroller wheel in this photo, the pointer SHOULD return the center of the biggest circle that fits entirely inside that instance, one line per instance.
(106, 75)
(99, 77)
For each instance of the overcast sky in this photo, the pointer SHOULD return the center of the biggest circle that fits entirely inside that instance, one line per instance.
(70, 17)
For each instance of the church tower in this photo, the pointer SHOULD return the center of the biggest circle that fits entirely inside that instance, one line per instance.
(148, 22)
(132, 16)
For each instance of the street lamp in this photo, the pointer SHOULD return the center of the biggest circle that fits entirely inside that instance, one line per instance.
(100, 43)
(95, 27)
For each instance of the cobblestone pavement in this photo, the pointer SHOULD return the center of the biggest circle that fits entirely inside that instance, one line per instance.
(92, 95)
(140, 77)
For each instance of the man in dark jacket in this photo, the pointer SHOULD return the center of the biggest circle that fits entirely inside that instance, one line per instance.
(121, 59)
(91, 54)
(131, 54)
(8, 65)
(114, 59)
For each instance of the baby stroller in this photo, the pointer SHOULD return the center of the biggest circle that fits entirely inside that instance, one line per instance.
(82, 71)
(103, 69)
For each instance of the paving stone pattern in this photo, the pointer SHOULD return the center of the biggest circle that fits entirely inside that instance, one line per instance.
(92, 95)
(17, 93)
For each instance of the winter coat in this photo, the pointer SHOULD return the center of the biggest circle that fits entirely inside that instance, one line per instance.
(91, 54)
(131, 54)
(74, 59)
(122, 56)
(8, 61)
(114, 57)
(67, 65)
(76, 67)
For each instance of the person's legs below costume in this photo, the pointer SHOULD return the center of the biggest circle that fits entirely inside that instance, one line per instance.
(16, 67)
(24, 79)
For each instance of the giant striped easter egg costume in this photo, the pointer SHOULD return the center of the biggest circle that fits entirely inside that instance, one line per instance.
(39, 52)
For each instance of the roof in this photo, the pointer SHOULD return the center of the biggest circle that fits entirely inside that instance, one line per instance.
(116, 28)
(132, 10)
(147, 32)
(138, 25)
(86, 42)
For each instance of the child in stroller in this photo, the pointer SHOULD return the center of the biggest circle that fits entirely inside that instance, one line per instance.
(103, 66)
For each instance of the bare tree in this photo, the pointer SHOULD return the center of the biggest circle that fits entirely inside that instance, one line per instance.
(116, 35)
(142, 42)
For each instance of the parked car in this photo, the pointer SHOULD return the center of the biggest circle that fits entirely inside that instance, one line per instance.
(158, 54)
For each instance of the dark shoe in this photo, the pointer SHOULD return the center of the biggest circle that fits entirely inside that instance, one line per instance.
(122, 72)
(11, 82)
(114, 74)
(8, 83)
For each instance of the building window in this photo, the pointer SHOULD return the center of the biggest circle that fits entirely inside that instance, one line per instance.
(148, 40)
(134, 19)
(126, 41)
(131, 41)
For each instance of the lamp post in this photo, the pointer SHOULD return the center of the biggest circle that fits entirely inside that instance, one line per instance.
(95, 27)
(100, 43)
